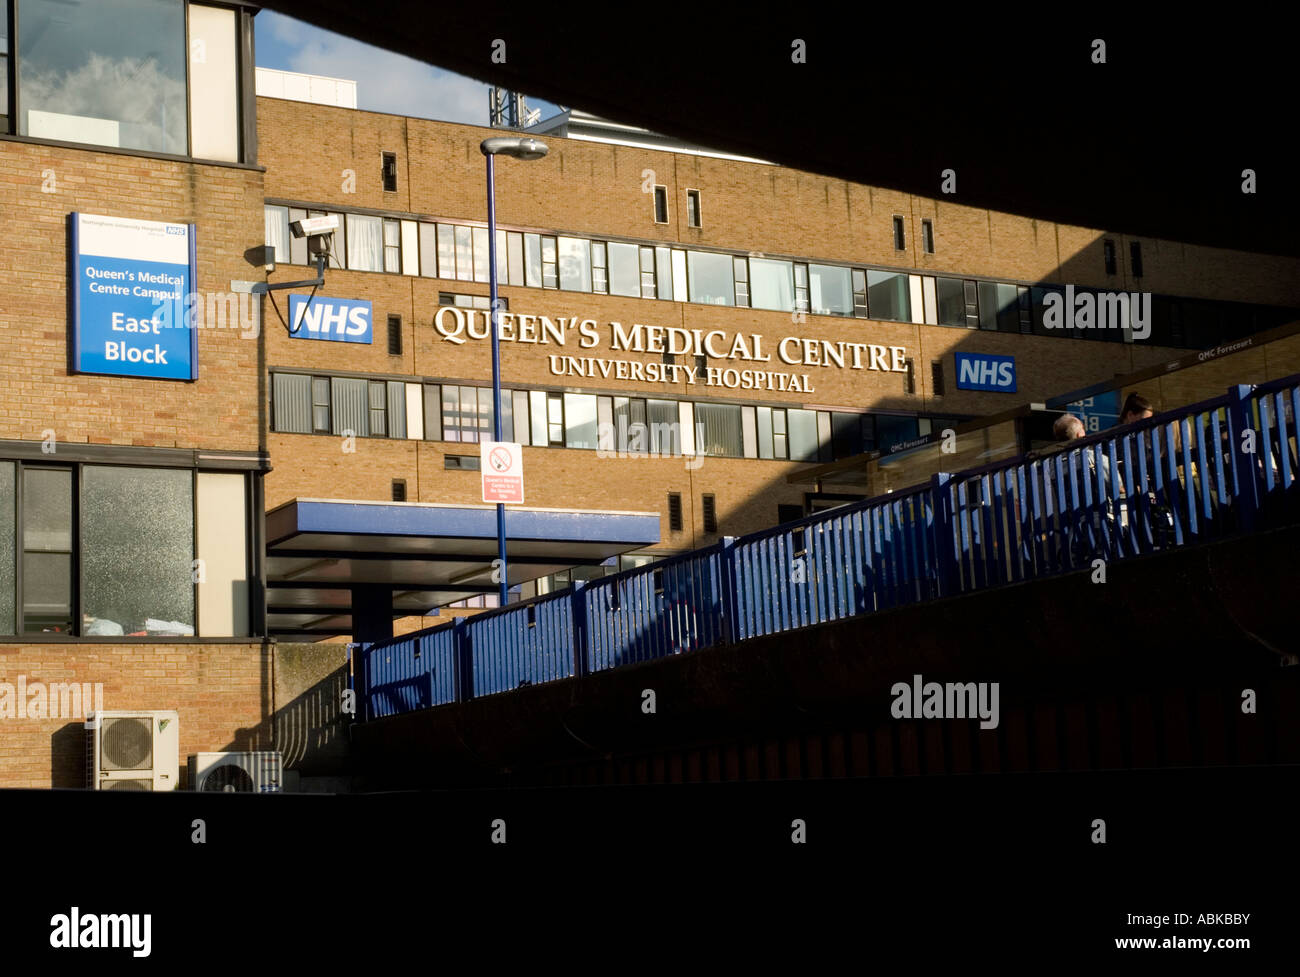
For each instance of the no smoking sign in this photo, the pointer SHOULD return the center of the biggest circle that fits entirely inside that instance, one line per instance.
(501, 464)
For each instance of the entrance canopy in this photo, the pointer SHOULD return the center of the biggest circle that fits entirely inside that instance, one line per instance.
(338, 567)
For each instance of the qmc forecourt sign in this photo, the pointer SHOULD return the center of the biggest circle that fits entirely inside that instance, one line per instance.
(502, 466)
(131, 279)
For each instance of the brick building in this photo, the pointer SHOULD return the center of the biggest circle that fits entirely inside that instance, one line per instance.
(683, 331)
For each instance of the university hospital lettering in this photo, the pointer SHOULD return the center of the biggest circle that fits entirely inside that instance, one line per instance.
(456, 324)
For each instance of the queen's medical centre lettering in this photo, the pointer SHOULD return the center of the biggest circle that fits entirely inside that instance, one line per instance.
(455, 325)
(131, 279)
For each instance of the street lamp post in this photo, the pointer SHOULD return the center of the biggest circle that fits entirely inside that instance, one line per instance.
(524, 149)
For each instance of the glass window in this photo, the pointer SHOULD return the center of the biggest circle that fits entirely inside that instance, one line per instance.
(664, 273)
(432, 412)
(298, 245)
(664, 427)
(350, 399)
(223, 548)
(846, 436)
(693, 208)
(804, 442)
(555, 419)
(8, 533)
(575, 264)
(950, 295)
(859, 293)
(538, 419)
(515, 250)
(291, 398)
(519, 414)
(679, 274)
(831, 290)
(277, 230)
(999, 307)
(711, 281)
(393, 246)
(599, 272)
(779, 434)
(446, 251)
(142, 518)
(320, 405)
(718, 430)
(771, 284)
(464, 252)
(580, 420)
(47, 550)
(550, 275)
(429, 250)
(888, 296)
(450, 413)
(365, 243)
(108, 73)
(214, 84)
(740, 267)
(503, 273)
(624, 270)
(482, 266)
(765, 432)
(892, 429)
(378, 414)
(647, 273)
(533, 260)
(801, 287)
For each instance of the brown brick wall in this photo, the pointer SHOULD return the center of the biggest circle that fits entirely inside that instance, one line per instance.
(221, 691)
(592, 188)
(216, 411)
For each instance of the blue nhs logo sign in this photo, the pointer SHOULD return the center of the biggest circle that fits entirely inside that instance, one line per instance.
(338, 320)
(984, 371)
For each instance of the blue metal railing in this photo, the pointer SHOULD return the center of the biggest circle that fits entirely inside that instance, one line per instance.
(1198, 473)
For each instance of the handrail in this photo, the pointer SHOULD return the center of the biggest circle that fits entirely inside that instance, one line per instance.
(1185, 475)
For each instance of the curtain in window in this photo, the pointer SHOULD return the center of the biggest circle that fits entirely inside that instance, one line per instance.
(719, 427)
(277, 232)
(291, 394)
(365, 243)
(351, 405)
(396, 409)
(771, 284)
(664, 420)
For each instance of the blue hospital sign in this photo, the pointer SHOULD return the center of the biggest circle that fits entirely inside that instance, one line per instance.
(985, 371)
(131, 280)
(338, 320)
(1097, 413)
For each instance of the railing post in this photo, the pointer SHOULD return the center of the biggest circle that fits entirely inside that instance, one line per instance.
(462, 655)
(727, 588)
(944, 529)
(581, 640)
(1245, 475)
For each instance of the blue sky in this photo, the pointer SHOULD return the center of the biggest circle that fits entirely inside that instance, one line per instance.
(386, 82)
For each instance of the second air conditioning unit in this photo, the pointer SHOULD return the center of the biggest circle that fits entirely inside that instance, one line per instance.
(132, 749)
(242, 773)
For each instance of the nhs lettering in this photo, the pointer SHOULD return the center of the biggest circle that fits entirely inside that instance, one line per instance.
(985, 371)
(338, 320)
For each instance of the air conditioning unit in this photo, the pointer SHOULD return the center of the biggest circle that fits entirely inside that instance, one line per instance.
(244, 773)
(132, 749)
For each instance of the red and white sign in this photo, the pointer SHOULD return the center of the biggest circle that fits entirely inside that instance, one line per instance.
(502, 465)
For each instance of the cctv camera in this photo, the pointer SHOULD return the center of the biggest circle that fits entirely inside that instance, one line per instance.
(312, 226)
